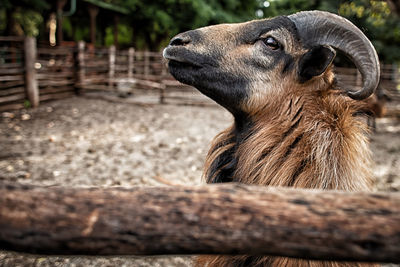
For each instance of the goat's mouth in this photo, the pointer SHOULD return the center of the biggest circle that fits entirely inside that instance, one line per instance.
(175, 64)
(180, 60)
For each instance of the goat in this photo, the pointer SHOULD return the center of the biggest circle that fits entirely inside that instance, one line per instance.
(292, 125)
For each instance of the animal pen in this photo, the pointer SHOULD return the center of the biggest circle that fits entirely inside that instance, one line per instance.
(213, 219)
(30, 74)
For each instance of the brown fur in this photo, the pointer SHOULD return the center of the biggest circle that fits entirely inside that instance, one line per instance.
(305, 136)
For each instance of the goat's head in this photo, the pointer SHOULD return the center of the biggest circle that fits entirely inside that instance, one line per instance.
(239, 64)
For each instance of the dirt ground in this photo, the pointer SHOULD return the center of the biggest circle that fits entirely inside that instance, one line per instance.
(85, 141)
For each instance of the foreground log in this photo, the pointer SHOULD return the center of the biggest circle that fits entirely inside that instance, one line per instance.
(212, 219)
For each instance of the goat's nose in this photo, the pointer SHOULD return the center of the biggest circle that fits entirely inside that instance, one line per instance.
(180, 40)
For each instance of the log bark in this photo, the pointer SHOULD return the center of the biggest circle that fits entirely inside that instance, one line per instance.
(212, 219)
(31, 84)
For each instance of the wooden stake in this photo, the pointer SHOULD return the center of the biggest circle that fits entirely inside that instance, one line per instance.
(111, 67)
(131, 61)
(31, 84)
(80, 66)
(146, 70)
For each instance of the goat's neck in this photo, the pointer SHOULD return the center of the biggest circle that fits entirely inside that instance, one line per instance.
(302, 143)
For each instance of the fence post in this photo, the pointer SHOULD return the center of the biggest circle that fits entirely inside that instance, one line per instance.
(131, 60)
(162, 89)
(31, 84)
(146, 63)
(80, 67)
(111, 69)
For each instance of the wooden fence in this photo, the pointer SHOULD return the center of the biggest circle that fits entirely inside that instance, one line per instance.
(212, 219)
(12, 82)
(30, 74)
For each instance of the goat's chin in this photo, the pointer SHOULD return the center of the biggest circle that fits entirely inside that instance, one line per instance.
(183, 71)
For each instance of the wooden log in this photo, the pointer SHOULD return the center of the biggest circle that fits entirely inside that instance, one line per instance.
(212, 219)
(12, 91)
(56, 96)
(55, 75)
(14, 97)
(63, 51)
(12, 71)
(11, 65)
(12, 57)
(150, 84)
(10, 84)
(11, 78)
(52, 90)
(31, 85)
(95, 87)
(11, 107)
(61, 82)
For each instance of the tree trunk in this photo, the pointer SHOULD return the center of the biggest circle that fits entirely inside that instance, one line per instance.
(60, 35)
(10, 22)
(93, 11)
(212, 219)
(31, 83)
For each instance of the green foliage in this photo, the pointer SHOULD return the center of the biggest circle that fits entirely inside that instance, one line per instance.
(38, 5)
(125, 34)
(29, 20)
(26, 14)
(378, 23)
(155, 21)
(27, 103)
(152, 23)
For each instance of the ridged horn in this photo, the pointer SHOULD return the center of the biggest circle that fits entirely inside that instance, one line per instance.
(324, 28)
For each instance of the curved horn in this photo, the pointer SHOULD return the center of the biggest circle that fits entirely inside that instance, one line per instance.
(324, 28)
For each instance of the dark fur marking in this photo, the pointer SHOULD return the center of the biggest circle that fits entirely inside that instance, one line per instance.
(292, 128)
(299, 170)
(288, 64)
(291, 147)
(224, 166)
(286, 134)
(290, 107)
(297, 113)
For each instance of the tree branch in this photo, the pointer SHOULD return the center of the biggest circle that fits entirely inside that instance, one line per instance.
(212, 219)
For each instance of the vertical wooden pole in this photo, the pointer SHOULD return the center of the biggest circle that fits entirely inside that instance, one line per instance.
(59, 29)
(111, 66)
(93, 11)
(146, 63)
(80, 67)
(131, 61)
(396, 76)
(31, 84)
(163, 74)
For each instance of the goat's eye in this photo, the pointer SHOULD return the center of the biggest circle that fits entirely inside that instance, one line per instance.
(271, 42)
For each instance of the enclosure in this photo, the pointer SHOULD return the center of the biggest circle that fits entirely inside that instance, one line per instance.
(101, 129)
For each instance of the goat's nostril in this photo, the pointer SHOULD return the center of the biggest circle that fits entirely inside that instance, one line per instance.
(180, 40)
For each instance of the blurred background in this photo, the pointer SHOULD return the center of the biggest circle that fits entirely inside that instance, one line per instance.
(150, 24)
(86, 98)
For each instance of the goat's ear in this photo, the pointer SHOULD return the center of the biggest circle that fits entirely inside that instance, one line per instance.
(315, 62)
